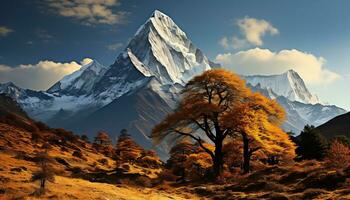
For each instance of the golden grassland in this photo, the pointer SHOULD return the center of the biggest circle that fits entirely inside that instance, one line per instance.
(16, 172)
(306, 180)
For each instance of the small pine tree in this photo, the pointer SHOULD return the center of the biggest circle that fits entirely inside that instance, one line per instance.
(84, 138)
(103, 138)
(127, 150)
(45, 172)
(311, 145)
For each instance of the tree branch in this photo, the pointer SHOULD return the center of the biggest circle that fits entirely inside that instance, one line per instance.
(198, 139)
(206, 131)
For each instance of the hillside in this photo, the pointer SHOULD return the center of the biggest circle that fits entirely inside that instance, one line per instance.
(84, 170)
(339, 125)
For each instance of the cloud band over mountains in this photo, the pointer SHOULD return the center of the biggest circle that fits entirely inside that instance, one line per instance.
(39, 76)
(266, 62)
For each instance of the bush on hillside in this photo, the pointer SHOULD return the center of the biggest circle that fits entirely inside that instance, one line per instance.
(338, 155)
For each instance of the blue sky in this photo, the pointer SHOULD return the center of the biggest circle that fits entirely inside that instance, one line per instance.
(318, 31)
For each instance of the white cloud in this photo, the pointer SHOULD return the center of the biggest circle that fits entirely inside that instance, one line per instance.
(252, 31)
(115, 46)
(86, 61)
(224, 42)
(39, 76)
(238, 43)
(89, 12)
(265, 62)
(233, 42)
(4, 31)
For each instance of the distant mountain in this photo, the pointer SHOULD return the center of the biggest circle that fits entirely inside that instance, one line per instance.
(288, 84)
(81, 81)
(339, 125)
(291, 92)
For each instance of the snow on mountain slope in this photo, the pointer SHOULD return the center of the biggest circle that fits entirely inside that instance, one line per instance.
(166, 51)
(81, 81)
(299, 114)
(288, 84)
(159, 49)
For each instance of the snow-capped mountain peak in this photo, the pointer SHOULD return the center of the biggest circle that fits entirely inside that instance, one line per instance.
(165, 51)
(81, 81)
(160, 50)
(10, 89)
(288, 84)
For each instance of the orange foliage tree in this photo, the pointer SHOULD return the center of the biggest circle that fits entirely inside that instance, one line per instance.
(103, 138)
(206, 99)
(216, 105)
(338, 155)
(178, 156)
(257, 119)
(198, 163)
(127, 150)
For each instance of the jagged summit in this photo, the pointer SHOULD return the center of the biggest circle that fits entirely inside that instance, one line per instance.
(288, 84)
(165, 51)
(159, 50)
(81, 81)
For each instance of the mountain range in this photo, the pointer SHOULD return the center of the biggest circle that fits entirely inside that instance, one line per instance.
(143, 85)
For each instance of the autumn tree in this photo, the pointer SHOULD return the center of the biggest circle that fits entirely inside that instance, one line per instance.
(199, 163)
(343, 139)
(311, 145)
(103, 138)
(338, 155)
(178, 156)
(45, 172)
(257, 120)
(206, 99)
(127, 150)
(213, 106)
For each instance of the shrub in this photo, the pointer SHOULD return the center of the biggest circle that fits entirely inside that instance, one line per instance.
(167, 175)
(76, 170)
(143, 181)
(41, 126)
(35, 136)
(63, 148)
(312, 193)
(65, 135)
(224, 177)
(46, 146)
(84, 138)
(78, 154)
(150, 162)
(338, 155)
(103, 161)
(198, 166)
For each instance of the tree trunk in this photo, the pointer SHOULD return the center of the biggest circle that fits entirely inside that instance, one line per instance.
(218, 159)
(41, 184)
(246, 154)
